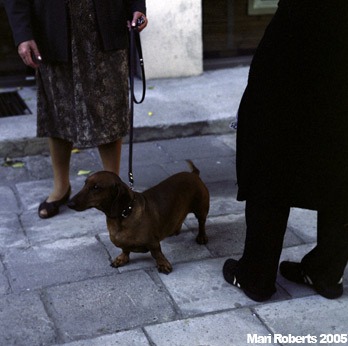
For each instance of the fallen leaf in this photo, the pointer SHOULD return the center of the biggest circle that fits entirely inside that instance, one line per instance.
(18, 165)
(8, 162)
(83, 172)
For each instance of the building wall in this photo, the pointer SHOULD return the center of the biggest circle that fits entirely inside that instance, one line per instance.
(182, 33)
(172, 42)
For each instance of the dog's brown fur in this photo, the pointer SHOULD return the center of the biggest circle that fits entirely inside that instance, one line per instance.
(137, 222)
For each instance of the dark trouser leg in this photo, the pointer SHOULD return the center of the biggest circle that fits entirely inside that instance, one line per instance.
(266, 226)
(327, 261)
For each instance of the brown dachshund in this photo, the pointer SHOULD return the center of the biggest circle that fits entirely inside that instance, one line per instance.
(137, 222)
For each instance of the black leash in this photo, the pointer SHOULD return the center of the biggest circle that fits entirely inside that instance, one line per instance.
(135, 46)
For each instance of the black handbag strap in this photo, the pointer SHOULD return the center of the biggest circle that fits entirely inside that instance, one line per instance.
(134, 51)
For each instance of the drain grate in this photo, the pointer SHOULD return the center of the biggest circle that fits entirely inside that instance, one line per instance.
(12, 104)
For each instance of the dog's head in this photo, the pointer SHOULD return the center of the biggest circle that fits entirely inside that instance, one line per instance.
(104, 191)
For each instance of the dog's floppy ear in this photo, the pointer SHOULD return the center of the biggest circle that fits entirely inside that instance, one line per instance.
(121, 198)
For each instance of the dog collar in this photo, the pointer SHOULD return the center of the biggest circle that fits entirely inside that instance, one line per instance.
(126, 212)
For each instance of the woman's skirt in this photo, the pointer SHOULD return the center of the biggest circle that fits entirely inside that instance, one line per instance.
(84, 101)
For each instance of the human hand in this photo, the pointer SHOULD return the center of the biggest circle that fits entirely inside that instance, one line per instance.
(136, 16)
(29, 53)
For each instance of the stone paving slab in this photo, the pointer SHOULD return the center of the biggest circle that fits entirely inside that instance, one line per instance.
(107, 305)
(225, 233)
(32, 193)
(221, 329)
(68, 224)
(55, 263)
(9, 175)
(147, 152)
(221, 205)
(226, 188)
(212, 169)
(132, 338)
(230, 139)
(24, 321)
(304, 224)
(194, 149)
(199, 287)
(308, 315)
(8, 201)
(11, 232)
(146, 175)
(175, 99)
(4, 284)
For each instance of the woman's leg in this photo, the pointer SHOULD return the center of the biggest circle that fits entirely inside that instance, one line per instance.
(60, 156)
(110, 155)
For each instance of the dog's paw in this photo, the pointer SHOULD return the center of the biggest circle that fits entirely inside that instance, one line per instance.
(165, 268)
(202, 239)
(120, 260)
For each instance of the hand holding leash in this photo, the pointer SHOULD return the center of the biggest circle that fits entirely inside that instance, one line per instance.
(139, 21)
(134, 47)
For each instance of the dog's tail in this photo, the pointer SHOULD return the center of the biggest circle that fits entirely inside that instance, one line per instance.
(194, 169)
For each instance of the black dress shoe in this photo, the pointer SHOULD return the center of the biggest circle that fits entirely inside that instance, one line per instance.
(52, 208)
(293, 271)
(229, 271)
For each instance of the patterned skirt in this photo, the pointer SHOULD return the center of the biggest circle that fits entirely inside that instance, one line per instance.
(84, 101)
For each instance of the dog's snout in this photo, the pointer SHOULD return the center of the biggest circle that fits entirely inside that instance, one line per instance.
(79, 202)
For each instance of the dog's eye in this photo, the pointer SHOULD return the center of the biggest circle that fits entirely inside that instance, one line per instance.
(94, 187)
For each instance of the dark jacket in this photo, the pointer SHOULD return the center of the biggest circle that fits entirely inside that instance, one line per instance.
(292, 136)
(45, 21)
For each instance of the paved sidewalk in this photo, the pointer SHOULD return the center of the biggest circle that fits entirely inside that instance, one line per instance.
(57, 286)
(175, 107)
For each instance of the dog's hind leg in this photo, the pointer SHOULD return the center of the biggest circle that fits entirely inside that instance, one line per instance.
(201, 211)
(201, 238)
(121, 260)
(163, 264)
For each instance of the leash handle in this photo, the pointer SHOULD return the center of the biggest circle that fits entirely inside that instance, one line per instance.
(135, 46)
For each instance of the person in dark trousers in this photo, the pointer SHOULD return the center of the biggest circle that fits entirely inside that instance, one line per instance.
(79, 49)
(292, 148)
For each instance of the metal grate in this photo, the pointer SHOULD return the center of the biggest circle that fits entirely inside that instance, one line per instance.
(12, 104)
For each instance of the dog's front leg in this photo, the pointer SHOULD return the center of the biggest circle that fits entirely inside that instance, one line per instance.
(163, 264)
(121, 260)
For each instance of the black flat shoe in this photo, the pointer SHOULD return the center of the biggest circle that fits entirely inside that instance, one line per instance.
(229, 272)
(293, 271)
(52, 208)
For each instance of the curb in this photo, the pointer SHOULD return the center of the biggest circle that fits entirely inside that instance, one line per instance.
(29, 146)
